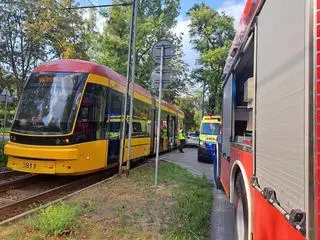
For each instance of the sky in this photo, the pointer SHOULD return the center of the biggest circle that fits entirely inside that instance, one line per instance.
(231, 7)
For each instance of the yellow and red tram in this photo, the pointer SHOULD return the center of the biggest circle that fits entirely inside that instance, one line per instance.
(69, 119)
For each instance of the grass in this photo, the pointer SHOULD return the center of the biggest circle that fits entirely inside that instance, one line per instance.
(192, 200)
(55, 219)
(127, 208)
(192, 210)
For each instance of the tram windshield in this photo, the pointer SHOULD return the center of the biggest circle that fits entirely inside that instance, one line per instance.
(49, 103)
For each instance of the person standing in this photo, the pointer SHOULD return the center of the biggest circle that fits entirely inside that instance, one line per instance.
(182, 140)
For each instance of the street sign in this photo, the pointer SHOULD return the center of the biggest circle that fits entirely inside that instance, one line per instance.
(5, 96)
(166, 76)
(168, 51)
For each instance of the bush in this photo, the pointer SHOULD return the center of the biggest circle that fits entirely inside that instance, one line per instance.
(55, 219)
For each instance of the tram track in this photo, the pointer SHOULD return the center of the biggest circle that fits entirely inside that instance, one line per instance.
(11, 208)
(17, 181)
(10, 174)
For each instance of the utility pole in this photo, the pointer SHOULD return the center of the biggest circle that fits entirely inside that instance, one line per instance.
(123, 132)
(203, 93)
(133, 76)
(130, 70)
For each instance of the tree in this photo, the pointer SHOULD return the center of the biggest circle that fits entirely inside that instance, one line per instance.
(211, 33)
(156, 19)
(36, 31)
(191, 106)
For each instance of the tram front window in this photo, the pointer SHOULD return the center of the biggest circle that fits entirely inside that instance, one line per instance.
(49, 102)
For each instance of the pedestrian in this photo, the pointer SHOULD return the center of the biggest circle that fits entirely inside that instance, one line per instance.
(182, 140)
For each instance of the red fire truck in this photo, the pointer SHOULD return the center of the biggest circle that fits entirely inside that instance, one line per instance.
(270, 164)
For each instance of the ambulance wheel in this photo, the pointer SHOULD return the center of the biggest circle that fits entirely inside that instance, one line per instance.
(240, 207)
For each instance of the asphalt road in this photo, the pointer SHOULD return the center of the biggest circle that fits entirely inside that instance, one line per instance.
(221, 226)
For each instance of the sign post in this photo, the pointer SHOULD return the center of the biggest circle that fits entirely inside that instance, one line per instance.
(133, 76)
(130, 69)
(162, 52)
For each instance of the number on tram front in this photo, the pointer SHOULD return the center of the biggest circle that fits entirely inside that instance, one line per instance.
(29, 165)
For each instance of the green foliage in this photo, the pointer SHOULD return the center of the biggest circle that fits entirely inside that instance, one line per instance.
(155, 22)
(55, 218)
(191, 106)
(36, 31)
(212, 35)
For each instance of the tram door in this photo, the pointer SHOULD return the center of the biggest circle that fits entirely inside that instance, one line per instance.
(172, 132)
(114, 126)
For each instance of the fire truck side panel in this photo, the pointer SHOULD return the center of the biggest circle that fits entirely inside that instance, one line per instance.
(268, 222)
(280, 115)
(240, 160)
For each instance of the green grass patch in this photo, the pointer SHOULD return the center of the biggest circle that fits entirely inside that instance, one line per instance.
(192, 208)
(192, 200)
(168, 173)
(56, 219)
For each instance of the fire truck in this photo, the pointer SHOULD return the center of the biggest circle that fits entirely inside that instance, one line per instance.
(269, 161)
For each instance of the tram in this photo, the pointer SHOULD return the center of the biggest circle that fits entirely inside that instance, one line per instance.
(69, 118)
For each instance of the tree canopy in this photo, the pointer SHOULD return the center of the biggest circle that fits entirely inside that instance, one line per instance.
(32, 32)
(156, 20)
(211, 35)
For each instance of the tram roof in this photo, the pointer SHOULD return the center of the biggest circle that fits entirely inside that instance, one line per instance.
(76, 65)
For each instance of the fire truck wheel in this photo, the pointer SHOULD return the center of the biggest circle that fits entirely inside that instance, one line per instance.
(240, 207)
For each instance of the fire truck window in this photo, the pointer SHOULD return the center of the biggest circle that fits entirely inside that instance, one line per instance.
(243, 102)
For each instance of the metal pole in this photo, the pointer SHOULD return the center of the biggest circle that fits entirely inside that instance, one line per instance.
(203, 92)
(123, 134)
(5, 116)
(133, 76)
(159, 119)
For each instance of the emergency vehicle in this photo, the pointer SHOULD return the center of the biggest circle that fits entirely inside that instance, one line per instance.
(209, 132)
(269, 165)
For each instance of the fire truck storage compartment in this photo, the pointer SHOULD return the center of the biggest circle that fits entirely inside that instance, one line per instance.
(280, 101)
(227, 116)
(242, 113)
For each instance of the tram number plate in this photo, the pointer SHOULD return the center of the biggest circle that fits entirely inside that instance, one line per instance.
(29, 165)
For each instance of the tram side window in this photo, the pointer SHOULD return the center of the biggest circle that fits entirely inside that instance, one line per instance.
(116, 103)
(91, 117)
(142, 112)
(136, 126)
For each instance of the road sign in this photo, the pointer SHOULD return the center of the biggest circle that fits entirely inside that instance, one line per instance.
(168, 51)
(5, 96)
(166, 76)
